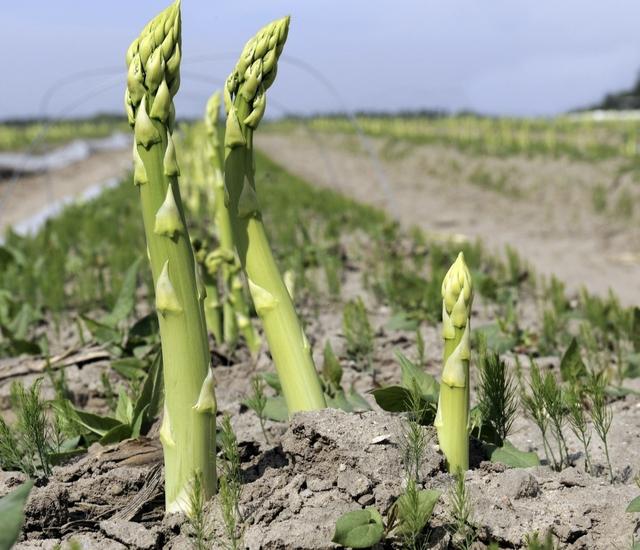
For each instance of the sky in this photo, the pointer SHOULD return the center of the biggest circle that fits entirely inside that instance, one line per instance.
(509, 57)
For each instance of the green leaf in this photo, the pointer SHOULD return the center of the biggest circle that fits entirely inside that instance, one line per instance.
(126, 301)
(12, 514)
(402, 321)
(359, 529)
(408, 509)
(103, 334)
(634, 505)
(145, 327)
(116, 434)
(131, 368)
(399, 399)
(358, 402)
(572, 366)
(511, 456)
(339, 401)
(412, 374)
(635, 329)
(124, 408)
(150, 396)
(137, 424)
(276, 409)
(97, 424)
(331, 369)
(272, 380)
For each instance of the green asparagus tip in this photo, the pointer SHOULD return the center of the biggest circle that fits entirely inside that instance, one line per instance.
(457, 292)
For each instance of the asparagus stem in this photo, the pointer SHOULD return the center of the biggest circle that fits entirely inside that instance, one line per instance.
(188, 427)
(452, 419)
(245, 102)
(235, 308)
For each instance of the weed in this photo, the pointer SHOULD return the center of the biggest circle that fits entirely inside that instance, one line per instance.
(460, 510)
(578, 421)
(601, 414)
(357, 331)
(497, 397)
(230, 484)
(257, 402)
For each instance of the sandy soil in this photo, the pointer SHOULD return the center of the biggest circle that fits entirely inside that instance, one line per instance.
(28, 196)
(541, 207)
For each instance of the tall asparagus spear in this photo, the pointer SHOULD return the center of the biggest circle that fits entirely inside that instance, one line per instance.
(245, 102)
(188, 428)
(452, 419)
(235, 308)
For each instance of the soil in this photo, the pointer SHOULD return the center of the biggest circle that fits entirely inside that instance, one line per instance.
(323, 464)
(542, 207)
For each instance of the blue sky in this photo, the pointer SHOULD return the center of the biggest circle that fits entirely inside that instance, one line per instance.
(499, 56)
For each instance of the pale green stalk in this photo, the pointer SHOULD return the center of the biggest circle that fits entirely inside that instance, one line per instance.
(245, 102)
(235, 308)
(188, 428)
(452, 419)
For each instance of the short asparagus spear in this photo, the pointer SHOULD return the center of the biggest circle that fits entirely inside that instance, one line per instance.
(452, 419)
(188, 428)
(235, 308)
(245, 102)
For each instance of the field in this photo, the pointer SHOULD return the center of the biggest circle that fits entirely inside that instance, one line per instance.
(365, 217)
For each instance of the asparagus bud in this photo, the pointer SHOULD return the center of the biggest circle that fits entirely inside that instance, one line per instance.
(245, 101)
(452, 419)
(188, 427)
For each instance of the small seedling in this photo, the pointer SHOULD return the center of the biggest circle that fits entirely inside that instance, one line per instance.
(357, 331)
(257, 402)
(497, 397)
(460, 510)
(230, 484)
(578, 422)
(601, 414)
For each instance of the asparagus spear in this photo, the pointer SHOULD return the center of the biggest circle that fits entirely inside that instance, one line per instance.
(188, 428)
(452, 418)
(235, 308)
(245, 102)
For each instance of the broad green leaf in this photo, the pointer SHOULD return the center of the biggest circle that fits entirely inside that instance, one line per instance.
(399, 399)
(150, 396)
(131, 368)
(511, 456)
(126, 301)
(359, 529)
(339, 401)
(572, 366)
(407, 508)
(117, 434)
(145, 328)
(6, 257)
(12, 514)
(634, 505)
(412, 374)
(331, 369)
(124, 408)
(358, 402)
(103, 334)
(94, 423)
(137, 424)
(272, 380)
(276, 409)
